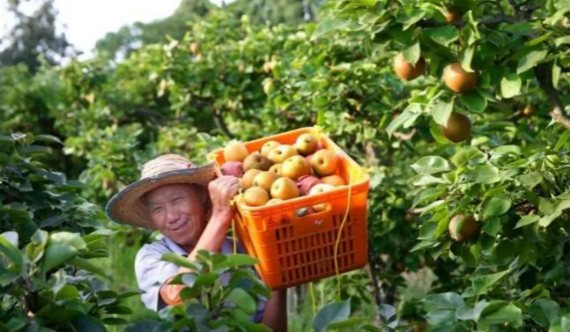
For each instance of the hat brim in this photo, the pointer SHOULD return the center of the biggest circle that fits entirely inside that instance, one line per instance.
(127, 207)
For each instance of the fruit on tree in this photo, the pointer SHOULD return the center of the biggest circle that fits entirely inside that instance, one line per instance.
(256, 160)
(324, 162)
(234, 168)
(235, 151)
(306, 144)
(194, 47)
(282, 153)
(528, 110)
(284, 188)
(458, 128)
(459, 80)
(247, 179)
(268, 146)
(255, 196)
(465, 232)
(452, 15)
(407, 71)
(410, 217)
(267, 67)
(265, 180)
(295, 167)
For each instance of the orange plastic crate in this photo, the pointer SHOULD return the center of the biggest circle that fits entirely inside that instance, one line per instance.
(293, 250)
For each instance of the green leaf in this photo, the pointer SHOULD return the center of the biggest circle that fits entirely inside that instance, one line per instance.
(485, 174)
(474, 101)
(562, 140)
(48, 138)
(66, 238)
(481, 284)
(410, 18)
(562, 40)
(442, 35)
(428, 179)
(330, 24)
(530, 60)
(496, 206)
(468, 156)
(467, 313)
(556, 72)
(530, 180)
(511, 85)
(87, 324)
(412, 53)
(409, 114)
(242, 300)
(466, 58)
(56, 255)
(233, 260)
(15, 264)
(506, 313)
(544, 312)
(331, 313)
(440, 109)
(353, 322)
(180, 261)
(527, 220)
(86, 265)
(431, 165)
(443, 301)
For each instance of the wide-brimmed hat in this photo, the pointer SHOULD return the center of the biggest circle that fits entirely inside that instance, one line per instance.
(127, 206)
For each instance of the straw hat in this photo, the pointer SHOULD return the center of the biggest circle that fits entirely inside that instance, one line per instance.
(127, 206)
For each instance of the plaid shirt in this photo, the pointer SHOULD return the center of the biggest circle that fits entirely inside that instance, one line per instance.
(152, 272)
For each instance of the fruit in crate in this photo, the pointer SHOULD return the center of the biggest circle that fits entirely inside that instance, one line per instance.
(265, 180)
(295, 167)
(305, 183)
(234, 168)
(334, 180)
(306, 144)
(256, 161)
(317, 189)
(235, 151)
(284, 188)
(277, 169)
(324, 162)
(282, 153)
(255, 196)
(247, 179)
(274, 201)
(267, 147)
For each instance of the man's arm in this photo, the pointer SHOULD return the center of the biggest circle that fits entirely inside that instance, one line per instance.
(221, 190)
(275, 315)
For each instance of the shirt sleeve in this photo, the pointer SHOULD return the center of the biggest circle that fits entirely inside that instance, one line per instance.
(151, 273)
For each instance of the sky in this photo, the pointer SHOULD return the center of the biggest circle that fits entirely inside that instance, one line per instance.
(86, 21)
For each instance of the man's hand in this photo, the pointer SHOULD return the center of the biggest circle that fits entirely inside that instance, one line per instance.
(222, 190)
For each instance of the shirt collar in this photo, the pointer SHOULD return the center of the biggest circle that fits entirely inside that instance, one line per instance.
(175, 248)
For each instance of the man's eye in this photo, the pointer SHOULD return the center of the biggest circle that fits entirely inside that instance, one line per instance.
(177, 200)
(157, 210)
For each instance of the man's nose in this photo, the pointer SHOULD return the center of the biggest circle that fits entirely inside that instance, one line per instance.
(172, 215)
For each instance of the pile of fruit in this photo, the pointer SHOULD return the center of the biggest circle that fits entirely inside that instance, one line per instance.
(278, 172)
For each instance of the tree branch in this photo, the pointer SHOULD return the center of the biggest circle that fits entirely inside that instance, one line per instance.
(220, 123)
(544, 77)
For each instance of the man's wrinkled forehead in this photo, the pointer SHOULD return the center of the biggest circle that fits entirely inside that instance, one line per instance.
(167, 192)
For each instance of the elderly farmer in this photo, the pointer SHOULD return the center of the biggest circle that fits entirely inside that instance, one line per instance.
(191, 208)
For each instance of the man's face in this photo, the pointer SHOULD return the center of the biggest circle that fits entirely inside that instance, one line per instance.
(177, 211)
